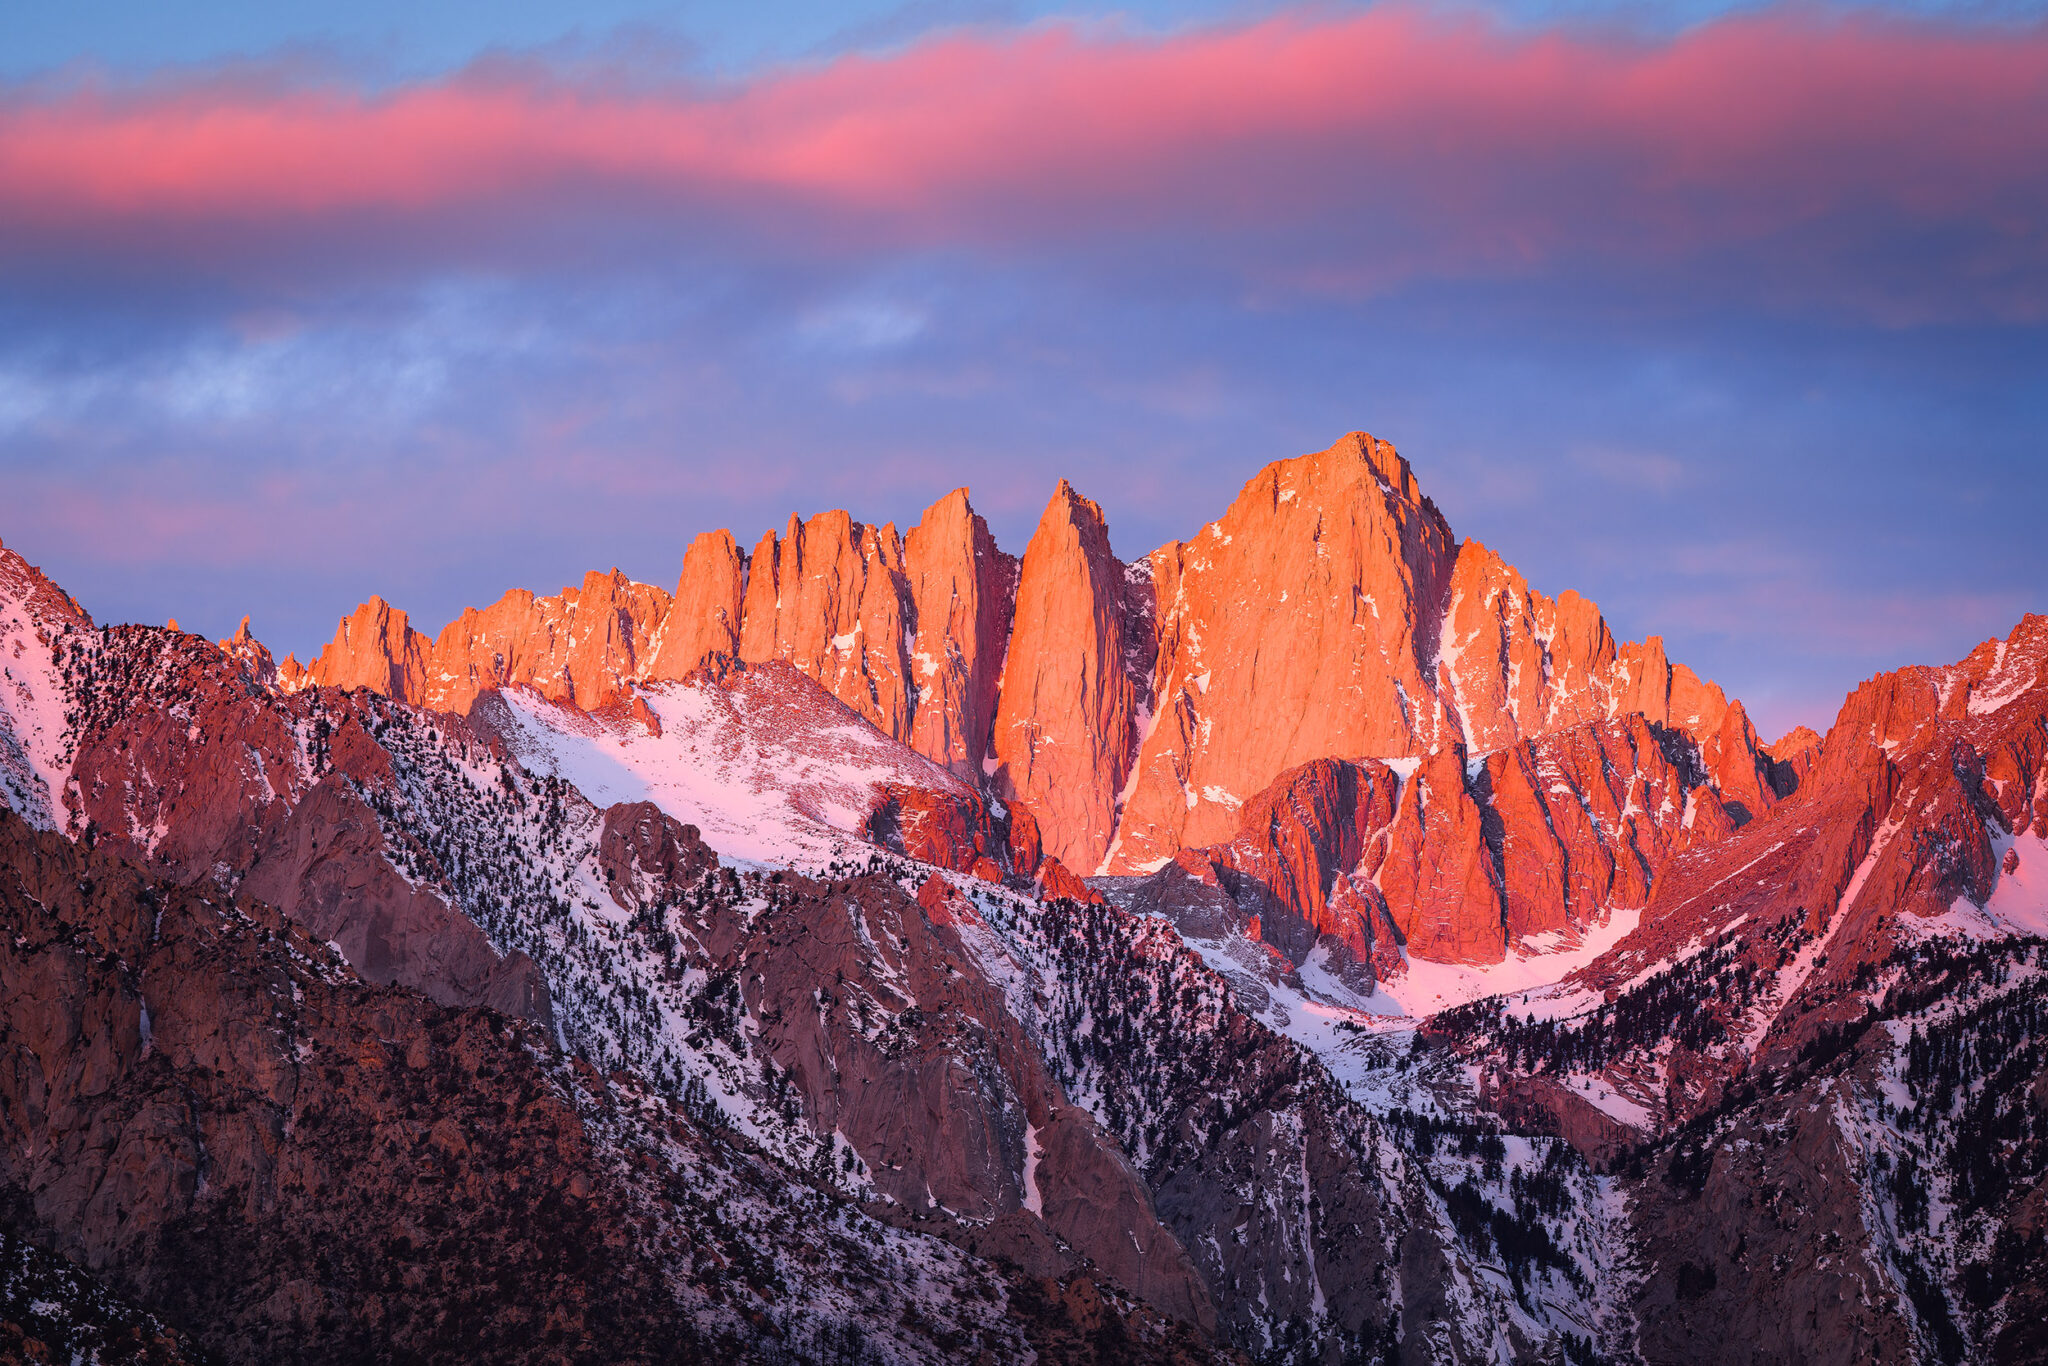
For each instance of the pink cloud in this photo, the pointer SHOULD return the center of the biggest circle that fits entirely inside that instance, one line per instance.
(1374, 146)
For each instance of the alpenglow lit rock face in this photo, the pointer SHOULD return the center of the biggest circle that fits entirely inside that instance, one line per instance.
(1068, 715)
(1301, 624)
(1136, 709)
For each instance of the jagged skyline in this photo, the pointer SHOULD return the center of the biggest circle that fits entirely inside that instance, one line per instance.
(294, 318)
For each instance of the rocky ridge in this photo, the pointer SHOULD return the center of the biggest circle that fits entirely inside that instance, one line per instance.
(1797, 1039)
(1132, 706)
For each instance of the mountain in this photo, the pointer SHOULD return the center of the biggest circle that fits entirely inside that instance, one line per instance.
(1307, 943)
(1133, 709)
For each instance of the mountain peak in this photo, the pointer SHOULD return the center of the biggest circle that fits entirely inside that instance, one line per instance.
(1068, 507)
(1328, 611)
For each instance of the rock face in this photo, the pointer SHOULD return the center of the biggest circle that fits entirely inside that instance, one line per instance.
(876, 1012)
(581, 646)
(1444, 890)
(908, 630)
(328, 868)
(1305, 861)
(209, 1112)
(1514, 662)
(955, 830)
(1464, 860)
(1301, 624)
(917, 1104)
(1136, 709)
(704, 620)
(827, 595)
(375, 648)
(645, 854)
(963, 591)
(1056, 880)
(190, 764)
(1770, 1251)
(1330, 612)
(1072, 695)
(1792, 757)
(249, 652)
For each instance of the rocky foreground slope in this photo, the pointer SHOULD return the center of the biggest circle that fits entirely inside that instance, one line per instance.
(657, 976)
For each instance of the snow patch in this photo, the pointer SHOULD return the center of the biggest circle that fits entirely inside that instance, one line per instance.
(33, 763)
(1033, 1201)
(1425, 987)
(773, 770)
(2018, 904)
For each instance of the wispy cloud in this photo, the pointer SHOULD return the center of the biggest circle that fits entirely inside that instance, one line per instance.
(1646, 471)
(1311, 152)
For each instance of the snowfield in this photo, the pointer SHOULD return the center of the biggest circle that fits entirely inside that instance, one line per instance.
(770, 768)
(33, 759)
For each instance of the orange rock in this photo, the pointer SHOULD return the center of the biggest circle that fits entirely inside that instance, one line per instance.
(614, 622)
(1056, 880)
(1587, 818)
(375, 648)
(945, 829)
(251, 653)
(1645, 681)
(704, 618)
(1442, 887)
(1533, 858)
(1737, 765)
(1512, 662)
(581, 646)
(1298, 853)
(1025, 849)
(1070, 706)
(962, 590)
(829, 597)
(1792, 757)
(1515, 664)
(933, 893)
(1298, 625)
(1329, 612)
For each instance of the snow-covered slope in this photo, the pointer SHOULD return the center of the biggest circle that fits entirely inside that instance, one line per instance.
(2018, 904)
(766, 764)
(34, 617)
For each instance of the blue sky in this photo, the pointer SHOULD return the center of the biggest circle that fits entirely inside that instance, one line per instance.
(398, 38)
(1768, 379)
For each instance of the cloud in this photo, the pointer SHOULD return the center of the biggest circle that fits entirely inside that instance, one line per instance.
(863, 325)
(1647, 471)
(1875, 165)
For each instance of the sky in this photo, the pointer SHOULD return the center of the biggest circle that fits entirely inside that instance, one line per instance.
(1732, 318)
